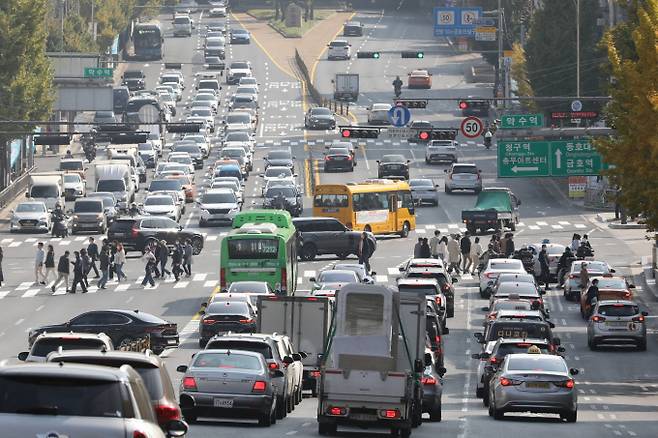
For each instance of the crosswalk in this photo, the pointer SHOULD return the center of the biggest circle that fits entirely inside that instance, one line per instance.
(28, 289)
(530, 225)
(73, 241)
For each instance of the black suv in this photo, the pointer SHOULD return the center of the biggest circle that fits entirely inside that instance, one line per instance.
(122, 326)
(134, 80)
(135, 233)
(324, 235)
(393, 166)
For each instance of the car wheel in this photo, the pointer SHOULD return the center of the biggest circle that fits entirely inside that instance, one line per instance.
(485, 397)
(197, 245)
(570, 417)
(265, 420)
(202, 342)
(642, 345)
(405, 230)
(202, 223)
(190, 416)
(435, 413)
(427, 161)
(290, 404)
(479, 392)
(124, 342)
(498, 414)
(405, 433)
(309, 251)
(343, 255)
(281, 411)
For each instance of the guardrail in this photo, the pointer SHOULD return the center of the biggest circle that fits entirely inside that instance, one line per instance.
(339, 107)
(15, 188)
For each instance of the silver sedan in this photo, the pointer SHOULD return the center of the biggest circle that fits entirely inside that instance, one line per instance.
(538, 383)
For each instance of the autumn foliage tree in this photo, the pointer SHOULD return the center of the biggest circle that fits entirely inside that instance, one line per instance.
(633, 111)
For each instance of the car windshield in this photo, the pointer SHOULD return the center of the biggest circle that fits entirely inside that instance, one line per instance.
(183, 159)
(611, 283)
(319, 111)
(245, 90)
(288, 192)
(618, 309)
(417, 289)
(232, 153)
(207, 97)
(338, 44)
(219, 198)
(44, 192)
(31, 208)
(106, 200)
(214, 42)
(201, 112)
(228, 307)
(518, 278)
(393, 159)
(240, 65)
(536, 363)
(182, 20)
(169, 184)
(72, 178)
(511, 305)
(111, 185)
(237, 136)
(159, 200)
(47, 345)
(421, 183)
(62, 396)
(278, 172)
(279, 155)
(88, 207)
(248, 287)
(465, 169)
(71, 165)
(190, 149)
(519, 347)
(338, 151)
(337, 277)
(238, 118)
(517, 288)
(591, 267)
(145, 147)
(227, 360)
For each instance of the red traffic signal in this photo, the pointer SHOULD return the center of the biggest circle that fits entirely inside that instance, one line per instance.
(424, 135)
(358, 132)
(463, 105)
(346, 133)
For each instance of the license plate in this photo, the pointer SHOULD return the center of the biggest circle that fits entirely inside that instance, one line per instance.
(541, 385)
(171, 341)
(223, 402)
(364, 417)
(616, 324)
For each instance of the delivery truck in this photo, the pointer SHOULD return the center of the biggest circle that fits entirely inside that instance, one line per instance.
(346, 86)
(47, 187)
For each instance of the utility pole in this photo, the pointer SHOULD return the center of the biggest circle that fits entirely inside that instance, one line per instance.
(62, 4)
(577, 48)
(500, 49)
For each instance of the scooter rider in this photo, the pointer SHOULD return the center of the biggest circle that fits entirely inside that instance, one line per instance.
(488, 135)
(134, 210)
(397, 86)
(57, 217)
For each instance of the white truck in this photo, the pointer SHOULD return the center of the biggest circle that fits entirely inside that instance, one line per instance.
(116, 178)
(47, 187)
(371, 371)
(305, 320)
(346, 86)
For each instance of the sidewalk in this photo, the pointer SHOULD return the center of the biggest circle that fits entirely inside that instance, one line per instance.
(281, 50)
(616, 224)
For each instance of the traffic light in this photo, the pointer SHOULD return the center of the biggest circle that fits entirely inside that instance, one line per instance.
(463, 105)
(412, 103)
(356, 132)
(444, 134)
(424, 135)
(52, 139)
(183, 128)
(371, 55)
(128, 137)
(173, 65)
(412, 54)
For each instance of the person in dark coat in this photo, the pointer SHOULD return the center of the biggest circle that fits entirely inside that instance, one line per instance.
(176, 260)
(188, 252)
(564, 264)
(92, 252)
(163, 257)
(50, 264)
(425, 251)
(86, 265)
(104, 261)
(157, 252)
(78, 273)
(544, 266)
(509, 247)
(365, 251)
(465, 248)
(592, 294)
(63, 270)
(2, 276)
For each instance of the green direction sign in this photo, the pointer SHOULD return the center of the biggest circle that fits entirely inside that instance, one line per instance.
(99, 72)
(548, 158)
(523, 158)
(519, 121)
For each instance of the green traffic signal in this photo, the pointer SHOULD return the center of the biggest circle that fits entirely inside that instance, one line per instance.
(375, 55)
(420, 55)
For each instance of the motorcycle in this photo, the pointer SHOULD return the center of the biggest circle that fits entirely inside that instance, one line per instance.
(397, 91)
(487, 142)
(60, 227)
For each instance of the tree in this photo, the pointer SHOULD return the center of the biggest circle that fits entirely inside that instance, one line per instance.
(519, 72)
(26, 78)
(551, 51)
(633, 111)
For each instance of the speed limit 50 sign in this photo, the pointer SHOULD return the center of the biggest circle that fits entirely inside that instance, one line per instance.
(471, 127)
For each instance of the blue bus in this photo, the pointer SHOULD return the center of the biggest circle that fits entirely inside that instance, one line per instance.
(148, 40)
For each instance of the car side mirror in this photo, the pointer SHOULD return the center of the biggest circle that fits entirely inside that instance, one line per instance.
(176, 428)
(401, 269)
(645, 313)
(574, 371)
(556, 341)
(180, 228)
(303, 354)
(22, 356)
(551, 325)
(276, 374)
(288, 360)
(181, 368)
(296, 357)
(202, 312)
(475, 356)
(312, 279)
(373, 273)
(631, 286)
(428, 359)
(455, 280)
(445, 170)
(479, 337)
(612, 271)
(441, 371)
(561, 349)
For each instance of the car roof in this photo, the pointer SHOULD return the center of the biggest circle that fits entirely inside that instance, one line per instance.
(72, 334)
(420, 281)
(146, 357)
(69, 370)
(613, 302)
(340, 271)
(217, 190)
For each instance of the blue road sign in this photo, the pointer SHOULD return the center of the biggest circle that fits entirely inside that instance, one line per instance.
(399, 116)
(456, 21)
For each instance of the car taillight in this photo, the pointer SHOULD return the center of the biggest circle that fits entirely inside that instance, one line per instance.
(565, 384)
(327, 158)
(509, 382)
(446, 287)
(139, 434)
(222, 278)
(189, 383)
(259, 386)
(438, 301)
(167, 413)
(639, 318)
(597, 318)
(428, 381)
(336, 411)
(437, 339)
(493, 360)
(208, 321)
(246, 321)
(490, 275)
(390, 413)
(315, 374)
(284, 279)
(134, 232)
(627, 295)
(273, 365)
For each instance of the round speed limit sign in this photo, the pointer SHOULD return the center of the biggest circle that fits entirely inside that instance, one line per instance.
(471, 127)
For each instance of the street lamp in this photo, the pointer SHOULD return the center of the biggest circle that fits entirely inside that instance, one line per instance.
(577, 48)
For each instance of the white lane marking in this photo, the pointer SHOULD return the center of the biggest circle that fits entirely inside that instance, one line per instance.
(210, 283)
(20, 321)
(542, 224)
(533, 227)
(199, 277)
(122, 287)
(32, 293)
(381, 278)
(309, 274)
(180, 284)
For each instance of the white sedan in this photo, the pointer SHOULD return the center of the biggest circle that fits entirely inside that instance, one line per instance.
(494, 268)
(162, 205)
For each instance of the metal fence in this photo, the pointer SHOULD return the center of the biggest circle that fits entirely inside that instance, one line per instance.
(339, 107)
(18, 186)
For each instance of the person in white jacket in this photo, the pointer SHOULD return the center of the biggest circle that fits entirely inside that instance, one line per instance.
(476, 252)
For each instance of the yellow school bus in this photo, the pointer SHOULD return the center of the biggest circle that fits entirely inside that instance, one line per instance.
(379, 206)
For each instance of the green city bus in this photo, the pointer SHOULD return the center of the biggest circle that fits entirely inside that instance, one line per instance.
(260, 247)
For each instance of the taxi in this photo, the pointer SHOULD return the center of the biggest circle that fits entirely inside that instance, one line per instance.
(611, 287)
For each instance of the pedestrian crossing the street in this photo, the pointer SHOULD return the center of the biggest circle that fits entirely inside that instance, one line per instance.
(74, 242)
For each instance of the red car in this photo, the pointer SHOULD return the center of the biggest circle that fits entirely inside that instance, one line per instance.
(419, 79)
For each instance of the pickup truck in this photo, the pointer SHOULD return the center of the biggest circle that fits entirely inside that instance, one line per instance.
(495, 208)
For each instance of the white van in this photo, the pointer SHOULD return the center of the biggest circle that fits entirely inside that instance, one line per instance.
(339, 49)
(183, 25)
